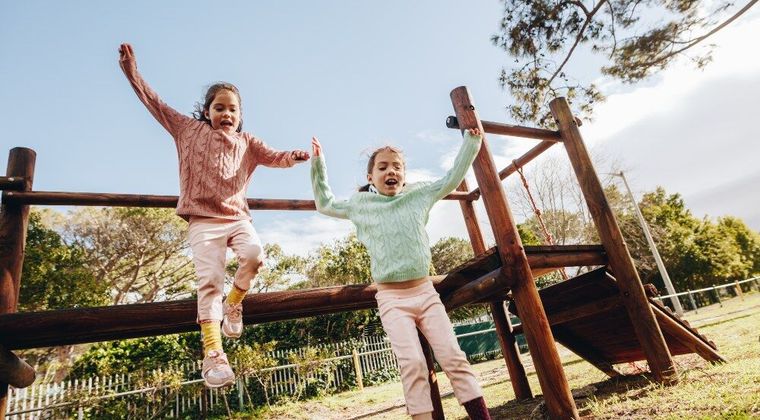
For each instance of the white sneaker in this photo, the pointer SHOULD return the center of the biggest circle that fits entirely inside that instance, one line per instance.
(216, 370)
(232, 323)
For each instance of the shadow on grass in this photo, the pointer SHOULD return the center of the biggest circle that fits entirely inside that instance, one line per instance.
(523, 409)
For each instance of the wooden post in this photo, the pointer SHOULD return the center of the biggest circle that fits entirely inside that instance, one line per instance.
(631, 290)
(510, 351)
(717, 295)
(515, 268)
(358, 370)
(693, 303)
(13, 223)
(738, 290)
(503, 324)
(435, 393)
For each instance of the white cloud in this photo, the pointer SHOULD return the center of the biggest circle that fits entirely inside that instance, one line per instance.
(665, 93)
(301, 236)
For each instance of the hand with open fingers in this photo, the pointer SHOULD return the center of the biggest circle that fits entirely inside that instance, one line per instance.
(125, 52)
(300, 155)
(316, 148)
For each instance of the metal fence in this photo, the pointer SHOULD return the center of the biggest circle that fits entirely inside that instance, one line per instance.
(695, 299)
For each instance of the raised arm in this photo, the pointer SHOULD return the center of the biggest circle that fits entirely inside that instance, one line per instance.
(272, 158)
(463, 161)
(323, 196)
(168, 117)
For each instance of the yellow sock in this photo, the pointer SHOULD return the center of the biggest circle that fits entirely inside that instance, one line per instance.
(211, 336)
(236, 295)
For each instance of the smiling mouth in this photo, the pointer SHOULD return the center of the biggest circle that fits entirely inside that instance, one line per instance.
(391, 182)
(226, 123)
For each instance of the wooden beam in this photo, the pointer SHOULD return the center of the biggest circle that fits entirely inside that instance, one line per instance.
(687, 338)
(515, 268)
(586, 352)
(522, 161)
(517, 376)
(14, 371)
(51, 198)
(510, 130)
(631, 291)
(14, 219)
(435, 392)
(12, 183)
(578, 312)
(507, 340)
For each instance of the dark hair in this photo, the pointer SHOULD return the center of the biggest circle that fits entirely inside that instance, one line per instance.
(373, 156)
(201, 108)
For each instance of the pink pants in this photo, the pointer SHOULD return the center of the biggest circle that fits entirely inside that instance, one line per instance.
(402, 312)
(209, 239)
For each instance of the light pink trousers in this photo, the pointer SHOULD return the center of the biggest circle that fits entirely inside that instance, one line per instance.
(402, 312)
(209, 238)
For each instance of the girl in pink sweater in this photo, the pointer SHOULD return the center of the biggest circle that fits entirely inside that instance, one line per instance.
(216, 162)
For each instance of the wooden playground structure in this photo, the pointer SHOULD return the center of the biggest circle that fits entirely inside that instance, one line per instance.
(604, 316)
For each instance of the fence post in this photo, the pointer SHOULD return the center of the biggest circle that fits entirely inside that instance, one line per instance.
(693, 303)
(14, 220)
(717, 295)
(738, 290)
(358, 369)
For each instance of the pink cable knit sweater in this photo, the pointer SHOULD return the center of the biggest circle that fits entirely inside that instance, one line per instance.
(214, 168)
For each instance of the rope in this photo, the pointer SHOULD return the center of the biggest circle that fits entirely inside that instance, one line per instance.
(547, 236)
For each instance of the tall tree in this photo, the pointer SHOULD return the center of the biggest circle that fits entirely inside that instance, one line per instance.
(54, 273)
(638, 38)
(140, 253)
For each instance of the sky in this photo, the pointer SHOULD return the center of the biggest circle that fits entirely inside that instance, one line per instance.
(358, 75)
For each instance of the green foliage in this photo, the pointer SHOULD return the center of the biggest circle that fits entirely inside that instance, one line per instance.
(449, 253)
(313, 371)
(139, 253)
(253, 361)
(345, 261)
(139, 354)
(54, 275)
(543, 36)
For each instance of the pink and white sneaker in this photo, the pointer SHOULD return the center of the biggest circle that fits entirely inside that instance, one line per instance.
(232, 323)
(216, 370)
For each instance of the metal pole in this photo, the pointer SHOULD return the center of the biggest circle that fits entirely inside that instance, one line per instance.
(660, 266)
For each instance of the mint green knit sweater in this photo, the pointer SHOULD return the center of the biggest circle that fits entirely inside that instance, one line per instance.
(393, 227)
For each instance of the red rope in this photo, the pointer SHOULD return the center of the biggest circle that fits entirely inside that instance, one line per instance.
(547, 236)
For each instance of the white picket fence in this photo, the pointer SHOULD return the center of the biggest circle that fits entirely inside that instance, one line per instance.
(72, 398)
(84, 398)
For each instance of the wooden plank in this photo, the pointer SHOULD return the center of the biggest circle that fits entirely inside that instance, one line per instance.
(55, 198)
(435, 393)
(522, 161)
(632, 292)
(14, 371)
(590, 309)
(510, 130)
(517, 376)
(12, 183)
(687, 338)
(588, 353)
(13, 223)
(515, 268)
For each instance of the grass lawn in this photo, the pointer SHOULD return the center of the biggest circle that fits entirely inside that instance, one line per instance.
(705, 391)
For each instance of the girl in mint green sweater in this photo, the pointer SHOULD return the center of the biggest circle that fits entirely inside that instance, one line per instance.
(390, 218)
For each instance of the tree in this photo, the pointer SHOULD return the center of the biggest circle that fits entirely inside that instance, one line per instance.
(140, 253)
(54, 276)
(278, 272)
(638, 39)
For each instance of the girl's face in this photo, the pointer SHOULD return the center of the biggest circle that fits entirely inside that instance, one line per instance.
(388, 173)
(224, 112)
